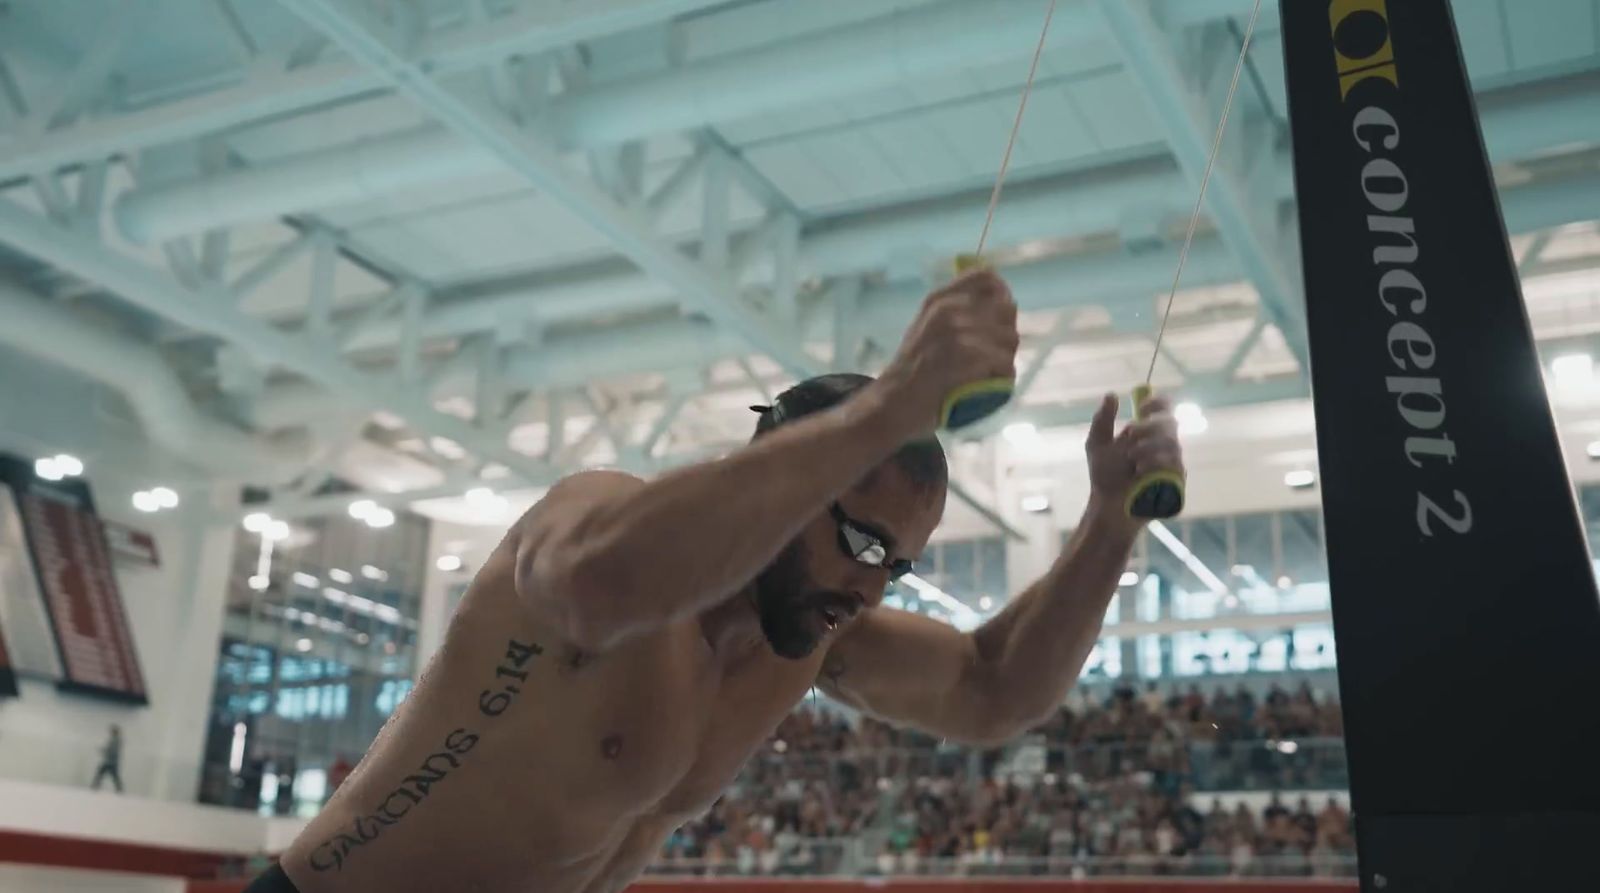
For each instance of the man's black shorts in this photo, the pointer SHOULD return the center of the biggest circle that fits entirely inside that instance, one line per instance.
(274, 881)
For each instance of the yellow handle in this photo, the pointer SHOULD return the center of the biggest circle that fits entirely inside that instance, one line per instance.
(1156, 494)
(974, 400)
(965, 263)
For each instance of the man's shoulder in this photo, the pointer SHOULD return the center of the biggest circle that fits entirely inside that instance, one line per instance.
(569, 496)
(593, 482)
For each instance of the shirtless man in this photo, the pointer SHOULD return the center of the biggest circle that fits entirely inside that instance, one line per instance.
(630, 643)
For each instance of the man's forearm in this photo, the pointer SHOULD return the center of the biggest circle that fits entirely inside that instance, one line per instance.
(1036, 647)
(685, 540)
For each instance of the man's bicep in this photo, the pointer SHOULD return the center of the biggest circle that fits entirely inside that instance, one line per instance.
(907, 668)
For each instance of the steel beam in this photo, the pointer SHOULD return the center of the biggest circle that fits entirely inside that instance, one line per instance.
(716, 193)
(413, 302)
(896, 48)
(209, 309)
(68, 95)
(48, 331)
(278, 91)
(1289, 387)
(674, 187)
(91, 197)
(542, 166)
(319, 314)
(1246, 344)
(1244, 218)
(268, 267)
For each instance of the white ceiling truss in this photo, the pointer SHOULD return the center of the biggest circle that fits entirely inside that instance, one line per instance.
(423, 244)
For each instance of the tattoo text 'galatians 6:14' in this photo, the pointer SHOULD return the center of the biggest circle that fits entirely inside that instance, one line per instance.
(509, 676)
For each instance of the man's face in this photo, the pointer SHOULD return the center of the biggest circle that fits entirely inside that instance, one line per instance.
(814, 588)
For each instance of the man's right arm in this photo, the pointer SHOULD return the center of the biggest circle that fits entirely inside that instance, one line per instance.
(608, 555)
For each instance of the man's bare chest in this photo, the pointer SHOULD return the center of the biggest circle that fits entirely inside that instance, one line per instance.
(694, 745)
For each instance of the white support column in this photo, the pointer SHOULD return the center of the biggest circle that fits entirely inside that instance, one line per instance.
(204, 547)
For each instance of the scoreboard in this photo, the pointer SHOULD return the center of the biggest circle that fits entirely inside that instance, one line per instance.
(71, 563)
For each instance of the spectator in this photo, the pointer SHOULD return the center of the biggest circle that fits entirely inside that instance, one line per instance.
(1305, 821)
(1275, 808)
(1152, 699)
(338, 771)
(1244, 822)
(110, 760)
(1241, 854)
(1116, 793)
(1187, 820)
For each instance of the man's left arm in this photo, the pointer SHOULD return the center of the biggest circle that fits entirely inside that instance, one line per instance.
(1009, 674)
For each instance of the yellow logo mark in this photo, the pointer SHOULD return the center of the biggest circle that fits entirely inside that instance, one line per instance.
(1358, 52)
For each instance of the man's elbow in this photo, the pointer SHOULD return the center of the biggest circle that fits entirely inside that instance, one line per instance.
(1008, 713)
(996, 732)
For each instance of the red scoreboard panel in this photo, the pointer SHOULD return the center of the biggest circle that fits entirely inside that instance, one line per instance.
(71, 561)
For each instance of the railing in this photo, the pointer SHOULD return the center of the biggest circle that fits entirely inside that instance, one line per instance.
(72, 761)
(1171, 768)
(829, 861)
(1305, 763)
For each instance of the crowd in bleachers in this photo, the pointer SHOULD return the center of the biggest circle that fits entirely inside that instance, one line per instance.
(1105, 786)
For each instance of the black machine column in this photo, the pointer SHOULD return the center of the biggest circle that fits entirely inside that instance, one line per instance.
(1464, 600)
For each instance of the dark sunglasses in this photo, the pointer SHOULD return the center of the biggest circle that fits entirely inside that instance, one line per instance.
(866, 545)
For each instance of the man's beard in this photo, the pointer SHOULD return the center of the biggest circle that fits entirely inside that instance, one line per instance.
(786, 605)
